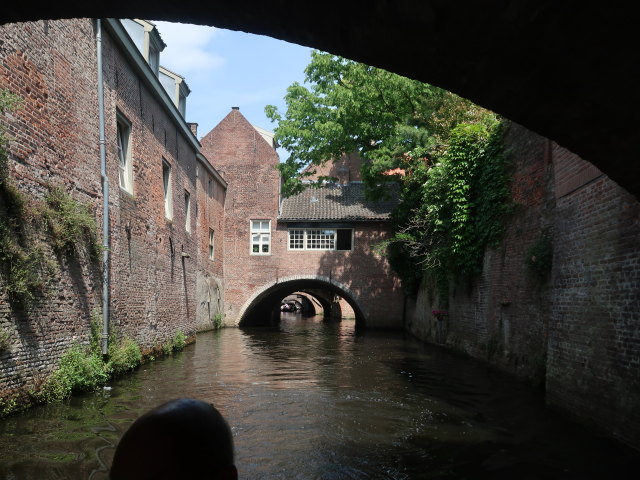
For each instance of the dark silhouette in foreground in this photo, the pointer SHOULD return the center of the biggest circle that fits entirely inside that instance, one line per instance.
(183, 438)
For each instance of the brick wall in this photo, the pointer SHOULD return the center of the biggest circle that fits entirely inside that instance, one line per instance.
(594, 334)
(578, 331)
(502, 315)
(345, 170)
(154, 259)
(210, 219)
(53, 142)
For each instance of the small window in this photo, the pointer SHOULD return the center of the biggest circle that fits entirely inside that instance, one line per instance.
(168, 195)
(260, 237)
(182, 105)
(154, 58)
(210, 187)
(187, 211)
(211, 246)
(124, 154)
(296, 239)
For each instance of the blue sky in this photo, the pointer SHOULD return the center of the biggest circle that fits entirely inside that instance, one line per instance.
(225, 69)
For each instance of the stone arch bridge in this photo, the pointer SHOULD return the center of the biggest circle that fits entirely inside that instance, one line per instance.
(264, 304)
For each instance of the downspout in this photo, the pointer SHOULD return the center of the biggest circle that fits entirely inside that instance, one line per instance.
(105, 195)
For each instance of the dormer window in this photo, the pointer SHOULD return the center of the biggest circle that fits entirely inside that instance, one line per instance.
(146, 37)
(176, 87)
(154, 58)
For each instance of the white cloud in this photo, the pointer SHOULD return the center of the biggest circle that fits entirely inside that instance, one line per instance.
(189, 48)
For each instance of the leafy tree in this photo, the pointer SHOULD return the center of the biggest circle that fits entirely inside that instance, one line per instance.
(445, 151)
(351, 107)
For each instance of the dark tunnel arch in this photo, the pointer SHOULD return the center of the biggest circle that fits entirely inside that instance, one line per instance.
(566, 70)
(263, 307)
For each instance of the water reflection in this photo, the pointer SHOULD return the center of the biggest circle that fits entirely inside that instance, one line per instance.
(316, 400)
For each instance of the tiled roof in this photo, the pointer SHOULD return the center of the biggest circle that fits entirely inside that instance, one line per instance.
(336, 202)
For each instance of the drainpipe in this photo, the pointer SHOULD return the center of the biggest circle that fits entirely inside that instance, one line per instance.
(105, 195)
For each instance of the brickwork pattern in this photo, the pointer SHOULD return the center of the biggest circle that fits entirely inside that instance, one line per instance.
(594, 335)
(53, 142)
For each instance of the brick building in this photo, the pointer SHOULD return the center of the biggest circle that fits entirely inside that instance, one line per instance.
(165, 200)
(319, 242)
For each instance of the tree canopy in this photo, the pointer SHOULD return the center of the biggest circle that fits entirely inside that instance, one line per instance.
(443, 150)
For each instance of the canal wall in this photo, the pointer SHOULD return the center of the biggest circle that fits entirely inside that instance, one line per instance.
(163, 277)
(569, 323)
(52, 142)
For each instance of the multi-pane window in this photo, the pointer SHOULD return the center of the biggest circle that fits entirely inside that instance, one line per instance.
(318, 239)
(296, 239)
(260, 237)
(168, 195)
(211, 239)
(321, 239)
(187, 211)
(124, 154)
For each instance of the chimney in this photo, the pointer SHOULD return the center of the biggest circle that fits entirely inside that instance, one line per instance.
(194, 128)
(235, 108)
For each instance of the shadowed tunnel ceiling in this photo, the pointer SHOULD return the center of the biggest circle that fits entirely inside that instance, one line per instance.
(568, 70)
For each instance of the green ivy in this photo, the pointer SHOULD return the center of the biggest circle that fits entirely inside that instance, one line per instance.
(452, 208)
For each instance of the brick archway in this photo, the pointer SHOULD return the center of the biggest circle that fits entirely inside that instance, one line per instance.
(264, 300)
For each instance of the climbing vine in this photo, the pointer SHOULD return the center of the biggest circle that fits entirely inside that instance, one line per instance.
(453, 208)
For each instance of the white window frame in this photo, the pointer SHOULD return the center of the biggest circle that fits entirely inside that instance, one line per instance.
(264, 236)
(305, 241)
(187, 211)
(211, 244)
(167, 177)
(125, 164)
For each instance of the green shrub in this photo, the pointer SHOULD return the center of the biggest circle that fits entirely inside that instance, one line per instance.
(124, 356)
(217, 321)
(179, 341)
(79, 370)
(70, 223)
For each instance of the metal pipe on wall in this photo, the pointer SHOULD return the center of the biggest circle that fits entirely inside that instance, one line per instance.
(105, 195)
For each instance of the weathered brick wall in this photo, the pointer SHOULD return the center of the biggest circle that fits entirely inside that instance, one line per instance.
(345, 170)
(53, 142)
(248, 163)
(594, 333)
(579, 330)
(502, 315)
(154, 260)
(209, 278)
(362, 271)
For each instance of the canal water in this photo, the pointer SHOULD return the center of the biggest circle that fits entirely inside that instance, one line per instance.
(316, 400)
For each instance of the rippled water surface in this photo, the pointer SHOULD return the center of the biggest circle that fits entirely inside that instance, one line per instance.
(312, 400)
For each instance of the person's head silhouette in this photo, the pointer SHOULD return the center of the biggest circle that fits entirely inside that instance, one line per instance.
(183, 438)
